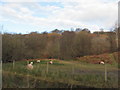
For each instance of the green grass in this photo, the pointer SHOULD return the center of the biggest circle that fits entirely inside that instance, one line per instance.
(60, 74)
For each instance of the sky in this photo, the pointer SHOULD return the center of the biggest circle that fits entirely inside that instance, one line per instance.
(25, 16)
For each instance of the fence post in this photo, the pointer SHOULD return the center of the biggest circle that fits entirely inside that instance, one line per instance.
(71, 87)
(105, 72)
(13, 64)
(47, 68)
(28, 80)
(73, 71)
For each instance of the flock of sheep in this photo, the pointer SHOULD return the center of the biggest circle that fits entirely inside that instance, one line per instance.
(30, 65)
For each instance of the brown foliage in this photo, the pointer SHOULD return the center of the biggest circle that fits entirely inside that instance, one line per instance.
(95, 59)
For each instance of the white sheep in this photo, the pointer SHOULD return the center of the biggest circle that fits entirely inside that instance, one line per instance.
(102, 62)
(38, 61)
(51, 62)
(30, 66)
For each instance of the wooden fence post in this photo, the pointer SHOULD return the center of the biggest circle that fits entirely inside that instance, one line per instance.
(47, 68)
(73, 70)
(13, 64)
(105, 72)
(28, 85)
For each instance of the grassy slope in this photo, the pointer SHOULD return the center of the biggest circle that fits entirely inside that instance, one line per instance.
(66, 72)
(111, 58)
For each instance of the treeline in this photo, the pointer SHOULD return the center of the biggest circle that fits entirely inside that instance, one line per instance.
(57, 44)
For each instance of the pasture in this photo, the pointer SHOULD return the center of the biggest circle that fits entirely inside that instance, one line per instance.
(60, 74)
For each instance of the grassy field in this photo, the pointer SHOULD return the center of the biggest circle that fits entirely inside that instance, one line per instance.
(68, 74)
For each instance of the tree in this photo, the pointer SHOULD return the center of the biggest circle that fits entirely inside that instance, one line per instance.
(82, 44)
(112, 40)
(78, 29)
(66, 45)
(118, 31)
(53, 49)
(100, 45)
(13, 47)
(45, 32)
(86, 30)
(57, 31)
(35, 45)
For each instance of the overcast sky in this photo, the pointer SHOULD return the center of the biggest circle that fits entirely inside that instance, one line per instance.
(46, 15)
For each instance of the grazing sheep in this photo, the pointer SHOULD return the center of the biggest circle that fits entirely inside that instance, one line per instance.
(30, 66)
(51, 62)
(102, 62)
(38, 61)
(31, 63)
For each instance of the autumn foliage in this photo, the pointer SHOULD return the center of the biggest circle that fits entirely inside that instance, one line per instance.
(59, 45)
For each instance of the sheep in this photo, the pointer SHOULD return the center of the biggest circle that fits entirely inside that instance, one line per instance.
(38, 61)
(30, 66)
(51, 62)
(102, 62)
(31, 63)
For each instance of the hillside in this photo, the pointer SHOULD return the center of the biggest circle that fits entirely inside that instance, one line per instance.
(110, 58)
